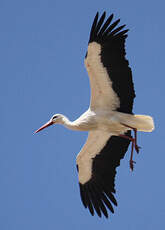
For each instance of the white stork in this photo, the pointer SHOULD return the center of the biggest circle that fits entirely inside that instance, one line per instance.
(109, 118)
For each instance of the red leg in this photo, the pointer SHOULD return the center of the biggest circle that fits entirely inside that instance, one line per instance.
(134, 145)
(135, 133)
(131, 162)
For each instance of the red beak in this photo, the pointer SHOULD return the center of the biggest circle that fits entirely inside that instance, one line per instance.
(44, 126)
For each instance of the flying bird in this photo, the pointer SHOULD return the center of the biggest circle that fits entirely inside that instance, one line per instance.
(109, 118)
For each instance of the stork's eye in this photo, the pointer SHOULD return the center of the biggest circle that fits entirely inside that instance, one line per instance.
(55, 117)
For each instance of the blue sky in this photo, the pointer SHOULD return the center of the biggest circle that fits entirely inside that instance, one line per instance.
(42, 49)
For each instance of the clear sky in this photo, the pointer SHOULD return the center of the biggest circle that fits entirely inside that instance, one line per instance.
(42, 49)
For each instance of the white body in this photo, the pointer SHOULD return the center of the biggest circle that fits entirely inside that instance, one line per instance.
(110, 121)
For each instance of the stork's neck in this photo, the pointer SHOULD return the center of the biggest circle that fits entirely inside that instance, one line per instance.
(69, 124)
(83, 123)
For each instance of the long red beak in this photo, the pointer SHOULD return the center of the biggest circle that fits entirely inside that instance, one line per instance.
(44, 126)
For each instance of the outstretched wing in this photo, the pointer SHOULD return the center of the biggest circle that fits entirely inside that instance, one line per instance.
(108, 70)
(96, 164)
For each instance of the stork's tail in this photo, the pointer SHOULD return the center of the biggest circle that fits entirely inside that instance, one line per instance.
(143, 123)
(140, 122)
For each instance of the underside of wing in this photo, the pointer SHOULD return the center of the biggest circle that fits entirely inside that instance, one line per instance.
(96, 165)
(108, 69)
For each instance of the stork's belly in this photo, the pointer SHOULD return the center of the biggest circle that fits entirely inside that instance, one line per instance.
(115, 129)
(112, 126)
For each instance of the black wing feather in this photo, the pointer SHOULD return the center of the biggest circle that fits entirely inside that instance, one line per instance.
(110, 28)
(112, 41)
(100, 23)
(100, 199)
(99, 190)
(93, 29)
(105, 25)
(88, 201)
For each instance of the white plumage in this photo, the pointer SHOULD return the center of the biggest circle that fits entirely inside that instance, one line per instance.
(109, 118)
(103, 96)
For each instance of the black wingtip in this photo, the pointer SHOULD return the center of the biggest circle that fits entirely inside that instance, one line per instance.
(104, 14)
(115, 24)
(96, 16)
(83, 199)
(102, 31)
(122, 33)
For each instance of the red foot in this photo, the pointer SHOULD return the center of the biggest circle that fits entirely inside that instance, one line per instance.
(131, 164)
(137, 148)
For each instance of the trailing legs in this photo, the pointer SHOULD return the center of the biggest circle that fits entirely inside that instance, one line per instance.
(134, 145)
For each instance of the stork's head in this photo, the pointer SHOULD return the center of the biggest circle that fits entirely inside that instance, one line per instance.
(55, 119)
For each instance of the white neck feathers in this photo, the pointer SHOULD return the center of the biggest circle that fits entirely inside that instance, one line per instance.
(83, 123)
